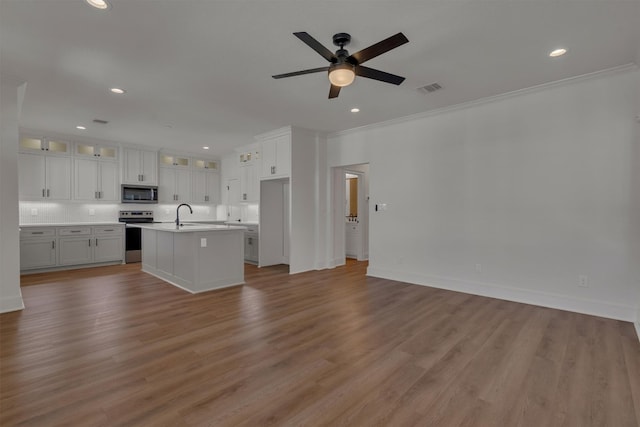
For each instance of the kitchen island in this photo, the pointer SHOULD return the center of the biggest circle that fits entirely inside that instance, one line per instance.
(194, 257)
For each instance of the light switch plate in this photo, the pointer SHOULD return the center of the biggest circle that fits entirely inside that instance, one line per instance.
(203, 242)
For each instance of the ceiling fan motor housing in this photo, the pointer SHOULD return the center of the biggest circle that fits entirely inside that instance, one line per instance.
(341, 39)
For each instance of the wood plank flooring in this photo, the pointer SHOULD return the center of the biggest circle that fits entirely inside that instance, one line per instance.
(112, 346)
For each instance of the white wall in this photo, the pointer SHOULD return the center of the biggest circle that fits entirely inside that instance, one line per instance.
(636, 195)
(10, 101)
(533, 189)
(303, 213)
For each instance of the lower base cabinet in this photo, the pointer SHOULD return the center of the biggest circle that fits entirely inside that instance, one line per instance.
(37, 253)
(251, 247)
(59, 247)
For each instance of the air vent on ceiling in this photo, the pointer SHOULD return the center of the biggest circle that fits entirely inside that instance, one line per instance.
(430, 88)
(102, 122)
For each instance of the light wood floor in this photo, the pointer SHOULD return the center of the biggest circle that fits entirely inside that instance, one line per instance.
(115, 347)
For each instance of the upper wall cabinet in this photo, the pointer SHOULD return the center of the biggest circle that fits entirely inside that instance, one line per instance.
(139, 166)
(200, 164)
(170, 160)
(276, 155)
(249, 162)
(44, 177)
(104, 152)
(96, 180)
(29, 144)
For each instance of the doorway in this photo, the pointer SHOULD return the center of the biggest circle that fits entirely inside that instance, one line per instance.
(351, 213)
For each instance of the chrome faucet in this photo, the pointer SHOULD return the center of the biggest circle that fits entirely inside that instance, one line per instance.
(178, 213)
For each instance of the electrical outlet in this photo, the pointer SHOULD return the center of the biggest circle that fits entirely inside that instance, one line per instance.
(34, 212)
(478, 268)
(92, 212)
(583, 281)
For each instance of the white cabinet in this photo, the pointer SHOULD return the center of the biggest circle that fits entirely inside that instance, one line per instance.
(249, 183)
(174, 160)
(205, 187)
(105, 152)
(31, 144)
(276, 156)
(174, 185)
(43, 177)
(139, 166)
(37, 248)
(352, 239)
(96, 180)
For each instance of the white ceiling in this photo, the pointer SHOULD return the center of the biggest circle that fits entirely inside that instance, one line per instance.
(198, 72)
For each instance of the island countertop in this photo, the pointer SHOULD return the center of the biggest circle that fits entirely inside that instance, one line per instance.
(187, 227)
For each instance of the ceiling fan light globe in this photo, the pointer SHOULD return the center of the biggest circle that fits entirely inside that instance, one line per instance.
(342, 75)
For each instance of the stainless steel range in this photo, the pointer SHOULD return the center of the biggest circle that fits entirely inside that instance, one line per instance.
(133, 235)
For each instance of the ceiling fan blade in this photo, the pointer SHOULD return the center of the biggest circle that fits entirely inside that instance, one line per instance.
(334, 91)
(370, 73)
(380, 48)
(315, 45)
(299, 73)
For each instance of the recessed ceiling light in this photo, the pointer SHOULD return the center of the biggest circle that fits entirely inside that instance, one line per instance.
(557, 52)
(355, 110)
(98, 4)
(205, 148)
(80, 127)
(117, 90)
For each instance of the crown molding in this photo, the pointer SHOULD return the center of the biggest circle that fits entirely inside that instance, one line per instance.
(490, 99)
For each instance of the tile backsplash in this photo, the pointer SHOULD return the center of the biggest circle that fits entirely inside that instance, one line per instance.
(52, 213)
(65, 212)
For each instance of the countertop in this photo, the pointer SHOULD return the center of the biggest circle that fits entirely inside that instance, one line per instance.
(242, 222)
(186, 227)
(71, 224)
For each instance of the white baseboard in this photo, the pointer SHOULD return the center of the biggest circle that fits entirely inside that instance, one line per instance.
(526, 296)
(11, 304)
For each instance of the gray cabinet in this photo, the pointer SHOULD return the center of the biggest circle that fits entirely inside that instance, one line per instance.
(37, 248)
(108, 243)
(62, 247)
(251, 244)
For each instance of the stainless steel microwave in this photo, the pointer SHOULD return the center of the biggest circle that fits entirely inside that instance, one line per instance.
(139, 193)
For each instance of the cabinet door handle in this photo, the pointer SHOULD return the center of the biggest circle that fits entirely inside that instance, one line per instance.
(206, 198)
(43, 193)
(89, 242)
(53, 244)
(74, 231)
(142, 177)
(48, 194)
(273, 170)
(37, 232)
(95, 193)
(99, 194)
(96, 242)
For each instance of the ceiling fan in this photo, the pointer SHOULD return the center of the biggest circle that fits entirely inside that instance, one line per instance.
(344, 67)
